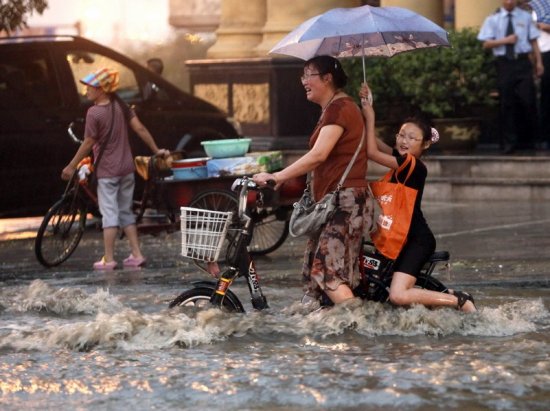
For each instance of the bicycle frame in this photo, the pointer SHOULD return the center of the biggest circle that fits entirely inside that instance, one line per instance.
(239, 260)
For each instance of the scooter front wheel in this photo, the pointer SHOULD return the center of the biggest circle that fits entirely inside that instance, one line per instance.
(199, 298)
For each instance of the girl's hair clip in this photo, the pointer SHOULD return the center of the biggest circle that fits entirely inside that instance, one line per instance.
(435, 135)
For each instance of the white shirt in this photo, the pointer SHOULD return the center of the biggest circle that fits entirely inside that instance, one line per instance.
(544, 38)
(494, 27)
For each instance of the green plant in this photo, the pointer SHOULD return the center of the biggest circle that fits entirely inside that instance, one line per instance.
(443, 82)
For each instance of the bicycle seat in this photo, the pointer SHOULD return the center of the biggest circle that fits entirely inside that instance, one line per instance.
(440, 256)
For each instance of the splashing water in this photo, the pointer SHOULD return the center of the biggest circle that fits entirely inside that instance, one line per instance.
(118, 327)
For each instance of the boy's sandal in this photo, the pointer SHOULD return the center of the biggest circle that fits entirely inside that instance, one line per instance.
(463, 297)
(134, 262)
(104, 265)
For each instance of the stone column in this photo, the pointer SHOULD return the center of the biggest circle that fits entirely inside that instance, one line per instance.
(432, 9)
(472, 13)
(285, 15)
(195, 15)
(240, 28)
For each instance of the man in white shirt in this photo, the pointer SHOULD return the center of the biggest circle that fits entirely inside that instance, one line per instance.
(511, 34)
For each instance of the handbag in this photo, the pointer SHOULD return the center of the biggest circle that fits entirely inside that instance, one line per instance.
(308, 216)
(396, 202)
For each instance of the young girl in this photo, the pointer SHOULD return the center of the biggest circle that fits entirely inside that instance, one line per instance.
(413, 138)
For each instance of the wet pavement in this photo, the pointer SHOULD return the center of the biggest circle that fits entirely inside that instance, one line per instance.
(491, 242)
(72, 338)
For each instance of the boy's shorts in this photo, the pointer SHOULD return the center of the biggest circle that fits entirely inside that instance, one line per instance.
(115, 196)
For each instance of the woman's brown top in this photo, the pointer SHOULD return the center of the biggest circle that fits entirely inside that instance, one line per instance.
(345, 113)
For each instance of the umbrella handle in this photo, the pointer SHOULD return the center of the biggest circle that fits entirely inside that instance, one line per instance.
(364, 70)
(368, 99)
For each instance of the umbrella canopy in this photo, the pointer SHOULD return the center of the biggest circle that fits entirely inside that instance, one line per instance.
(361, 31)
(542, 10)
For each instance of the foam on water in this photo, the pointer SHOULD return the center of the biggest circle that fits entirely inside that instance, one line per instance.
(64, 301)
(115, 326)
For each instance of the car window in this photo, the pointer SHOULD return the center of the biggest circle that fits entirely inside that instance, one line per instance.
(26, 80)
(83, 63)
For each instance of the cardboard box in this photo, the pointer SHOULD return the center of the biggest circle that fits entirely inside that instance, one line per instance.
(269, 161)
(251, 163)
(237, 166)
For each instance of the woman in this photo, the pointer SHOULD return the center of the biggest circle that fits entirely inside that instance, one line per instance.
(330, 260)
(415, 136)
(115, 171)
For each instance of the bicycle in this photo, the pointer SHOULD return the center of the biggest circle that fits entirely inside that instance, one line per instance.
(65, 222)
(157, 210)
(199, 232)
(376, 270)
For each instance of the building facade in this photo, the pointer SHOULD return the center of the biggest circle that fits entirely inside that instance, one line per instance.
(263, 93)
(250, 28)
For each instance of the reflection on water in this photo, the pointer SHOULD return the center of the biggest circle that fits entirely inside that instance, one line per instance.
(19, 228)
(84, 348)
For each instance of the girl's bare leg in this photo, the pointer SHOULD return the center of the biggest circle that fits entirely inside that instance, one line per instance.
(402, 292)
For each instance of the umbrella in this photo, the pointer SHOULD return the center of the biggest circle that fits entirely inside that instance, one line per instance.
(361, 31)
(542, 10)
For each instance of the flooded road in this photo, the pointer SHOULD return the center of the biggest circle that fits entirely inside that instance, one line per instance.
(71, 338)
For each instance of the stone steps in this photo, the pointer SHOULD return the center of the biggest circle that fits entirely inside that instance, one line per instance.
(478, 177)
(488, 177)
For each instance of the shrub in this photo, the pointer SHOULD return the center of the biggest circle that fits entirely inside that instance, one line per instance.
(442, 82)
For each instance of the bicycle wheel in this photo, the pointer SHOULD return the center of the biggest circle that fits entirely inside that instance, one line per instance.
(215, 200)
(199, 298)
(269, 233)
(60, 232)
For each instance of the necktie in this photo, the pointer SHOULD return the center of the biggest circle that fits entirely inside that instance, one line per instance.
(510, 30)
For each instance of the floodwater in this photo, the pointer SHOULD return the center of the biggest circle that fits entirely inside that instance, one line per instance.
(76, 339)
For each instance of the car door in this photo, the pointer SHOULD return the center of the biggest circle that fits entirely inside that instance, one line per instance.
(33, 120)
(169, 114)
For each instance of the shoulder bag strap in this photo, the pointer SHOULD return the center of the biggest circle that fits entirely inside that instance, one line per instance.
(350, 165)
(409, 160)
(348, 168)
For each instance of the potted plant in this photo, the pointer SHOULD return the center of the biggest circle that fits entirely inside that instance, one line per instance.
(453, 85)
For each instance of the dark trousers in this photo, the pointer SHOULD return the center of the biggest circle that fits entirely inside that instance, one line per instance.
(518, 102)
(545, 100)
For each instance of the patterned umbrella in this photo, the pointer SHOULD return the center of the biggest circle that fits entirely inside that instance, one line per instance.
(361, 31)
(542, 10)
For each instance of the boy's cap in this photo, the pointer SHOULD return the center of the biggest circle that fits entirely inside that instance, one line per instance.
(105, 78)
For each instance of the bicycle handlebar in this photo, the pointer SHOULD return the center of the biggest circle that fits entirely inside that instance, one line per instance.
(243, 185)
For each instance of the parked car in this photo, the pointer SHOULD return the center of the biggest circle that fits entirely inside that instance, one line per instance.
(40, 95)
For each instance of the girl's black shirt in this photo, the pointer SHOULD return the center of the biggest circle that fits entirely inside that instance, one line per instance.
(419, 227)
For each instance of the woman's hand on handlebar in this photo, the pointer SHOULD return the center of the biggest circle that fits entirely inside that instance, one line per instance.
(266, 180)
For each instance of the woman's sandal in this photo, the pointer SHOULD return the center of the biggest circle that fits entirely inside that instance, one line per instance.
(463, 297)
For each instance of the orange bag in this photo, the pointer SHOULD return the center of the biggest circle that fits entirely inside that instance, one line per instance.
(396, 203)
